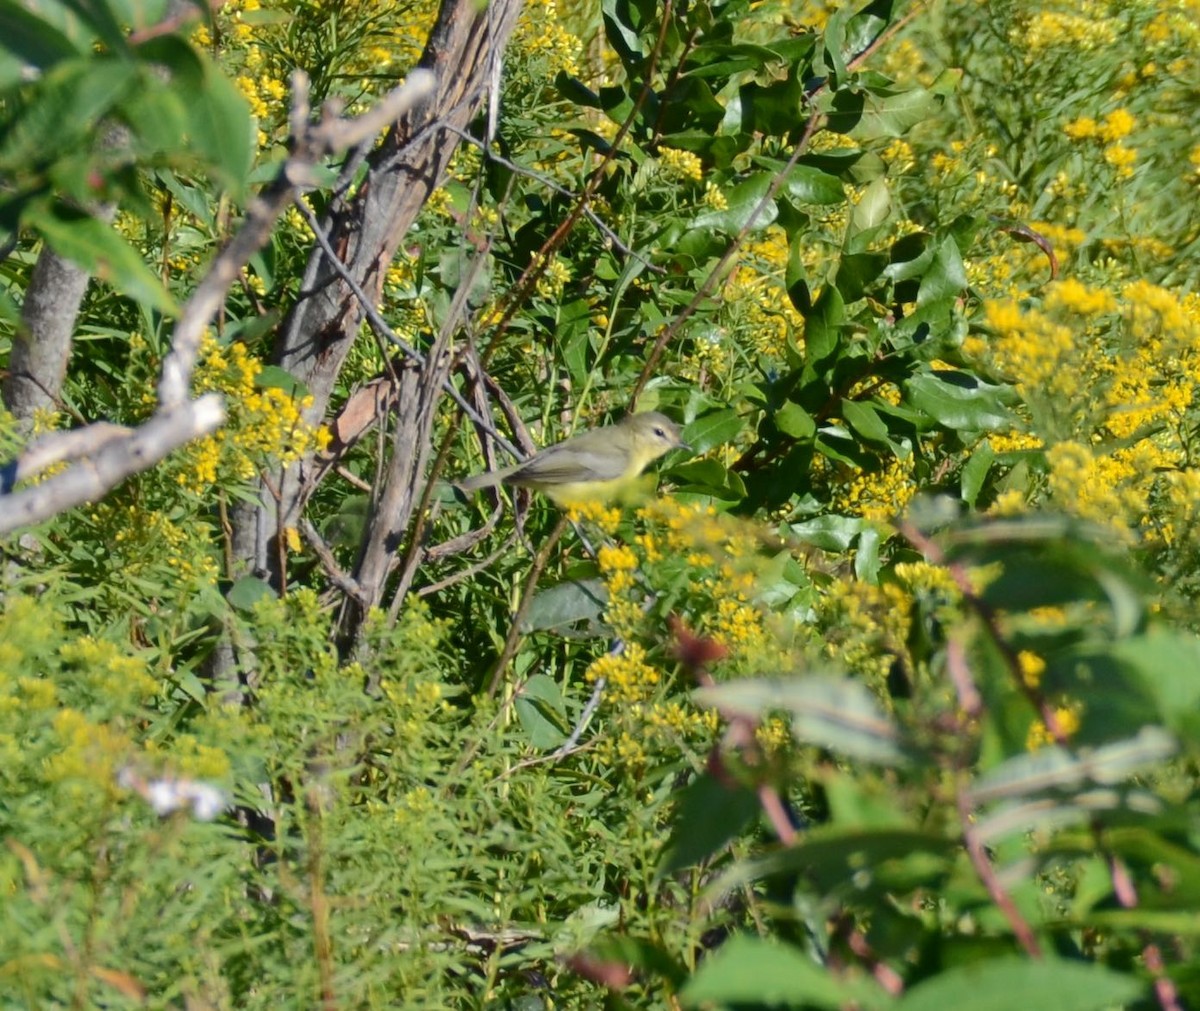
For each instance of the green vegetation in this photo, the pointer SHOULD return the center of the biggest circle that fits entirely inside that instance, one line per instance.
(885, 696)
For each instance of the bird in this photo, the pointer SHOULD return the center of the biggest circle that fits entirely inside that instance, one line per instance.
(594, 465)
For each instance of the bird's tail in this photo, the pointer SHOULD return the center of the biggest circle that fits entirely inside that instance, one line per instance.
(488, 479)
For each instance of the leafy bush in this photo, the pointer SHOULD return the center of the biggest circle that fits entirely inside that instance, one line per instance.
(887, 699)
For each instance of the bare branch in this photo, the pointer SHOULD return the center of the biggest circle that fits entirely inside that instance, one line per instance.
(120, 458)
(56, 447)
(108, 454)
(312, 145)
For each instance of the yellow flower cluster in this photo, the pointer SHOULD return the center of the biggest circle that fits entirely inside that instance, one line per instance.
(1068, 722)
(1111, 132)
(89, 754)
(868, 624)
(715, 200)
(108, 672)
(145, 539)
(683, 166)
(554, 278)
(758, 301)
(1109, 488)
(922, 577)
(266, 423)
(541, 37)
(1085, 29)
(605, 517)
(1010, 442)
(628, 675)
(879, 496)
(1032, 667)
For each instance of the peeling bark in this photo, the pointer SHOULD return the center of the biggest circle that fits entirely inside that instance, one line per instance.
(464, 48)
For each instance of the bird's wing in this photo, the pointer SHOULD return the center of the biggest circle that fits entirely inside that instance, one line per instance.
(570, 464)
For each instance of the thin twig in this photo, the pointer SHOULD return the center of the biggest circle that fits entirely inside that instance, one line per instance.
(605, 229)
(531, 580)
(334, 572)
(962, 579)
(381, 327)
(987, 874)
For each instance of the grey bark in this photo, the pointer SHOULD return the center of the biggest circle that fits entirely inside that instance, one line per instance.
(42, 346)
(464, 48)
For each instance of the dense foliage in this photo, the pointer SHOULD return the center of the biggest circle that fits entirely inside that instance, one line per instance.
(885, 696)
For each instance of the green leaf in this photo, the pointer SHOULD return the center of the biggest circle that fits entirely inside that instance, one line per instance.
(856, 272)
(708, 477)
(946, 276)
(872, 209)
(960, 401)
(710, 815)
(275, 377)
(863, 418)
(247, 592)
(757, 972)
(574, 90)
(539, 707)
(97, 248)
(27, 42)
(742, 204)
(806, 184)
(1015, 984)
(830, 533)
(565, 605)
(975, 472)
(822, 326)
(834, 713)
(713, 429)
(792, 419)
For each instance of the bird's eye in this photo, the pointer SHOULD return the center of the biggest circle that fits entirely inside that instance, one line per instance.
(660, 432)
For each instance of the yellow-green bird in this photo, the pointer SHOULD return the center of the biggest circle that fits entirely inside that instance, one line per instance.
(596, 464)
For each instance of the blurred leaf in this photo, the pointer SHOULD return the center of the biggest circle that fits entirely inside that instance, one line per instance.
(1005, 984)
(64, 108)
(29, 43)
(1164, 664)
(220, 130)
(247, 592)
(753, 971)
(838, 714)
(709, 816)
(1055, 768)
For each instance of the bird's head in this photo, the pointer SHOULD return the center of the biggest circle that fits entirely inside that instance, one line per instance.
(653, 434)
